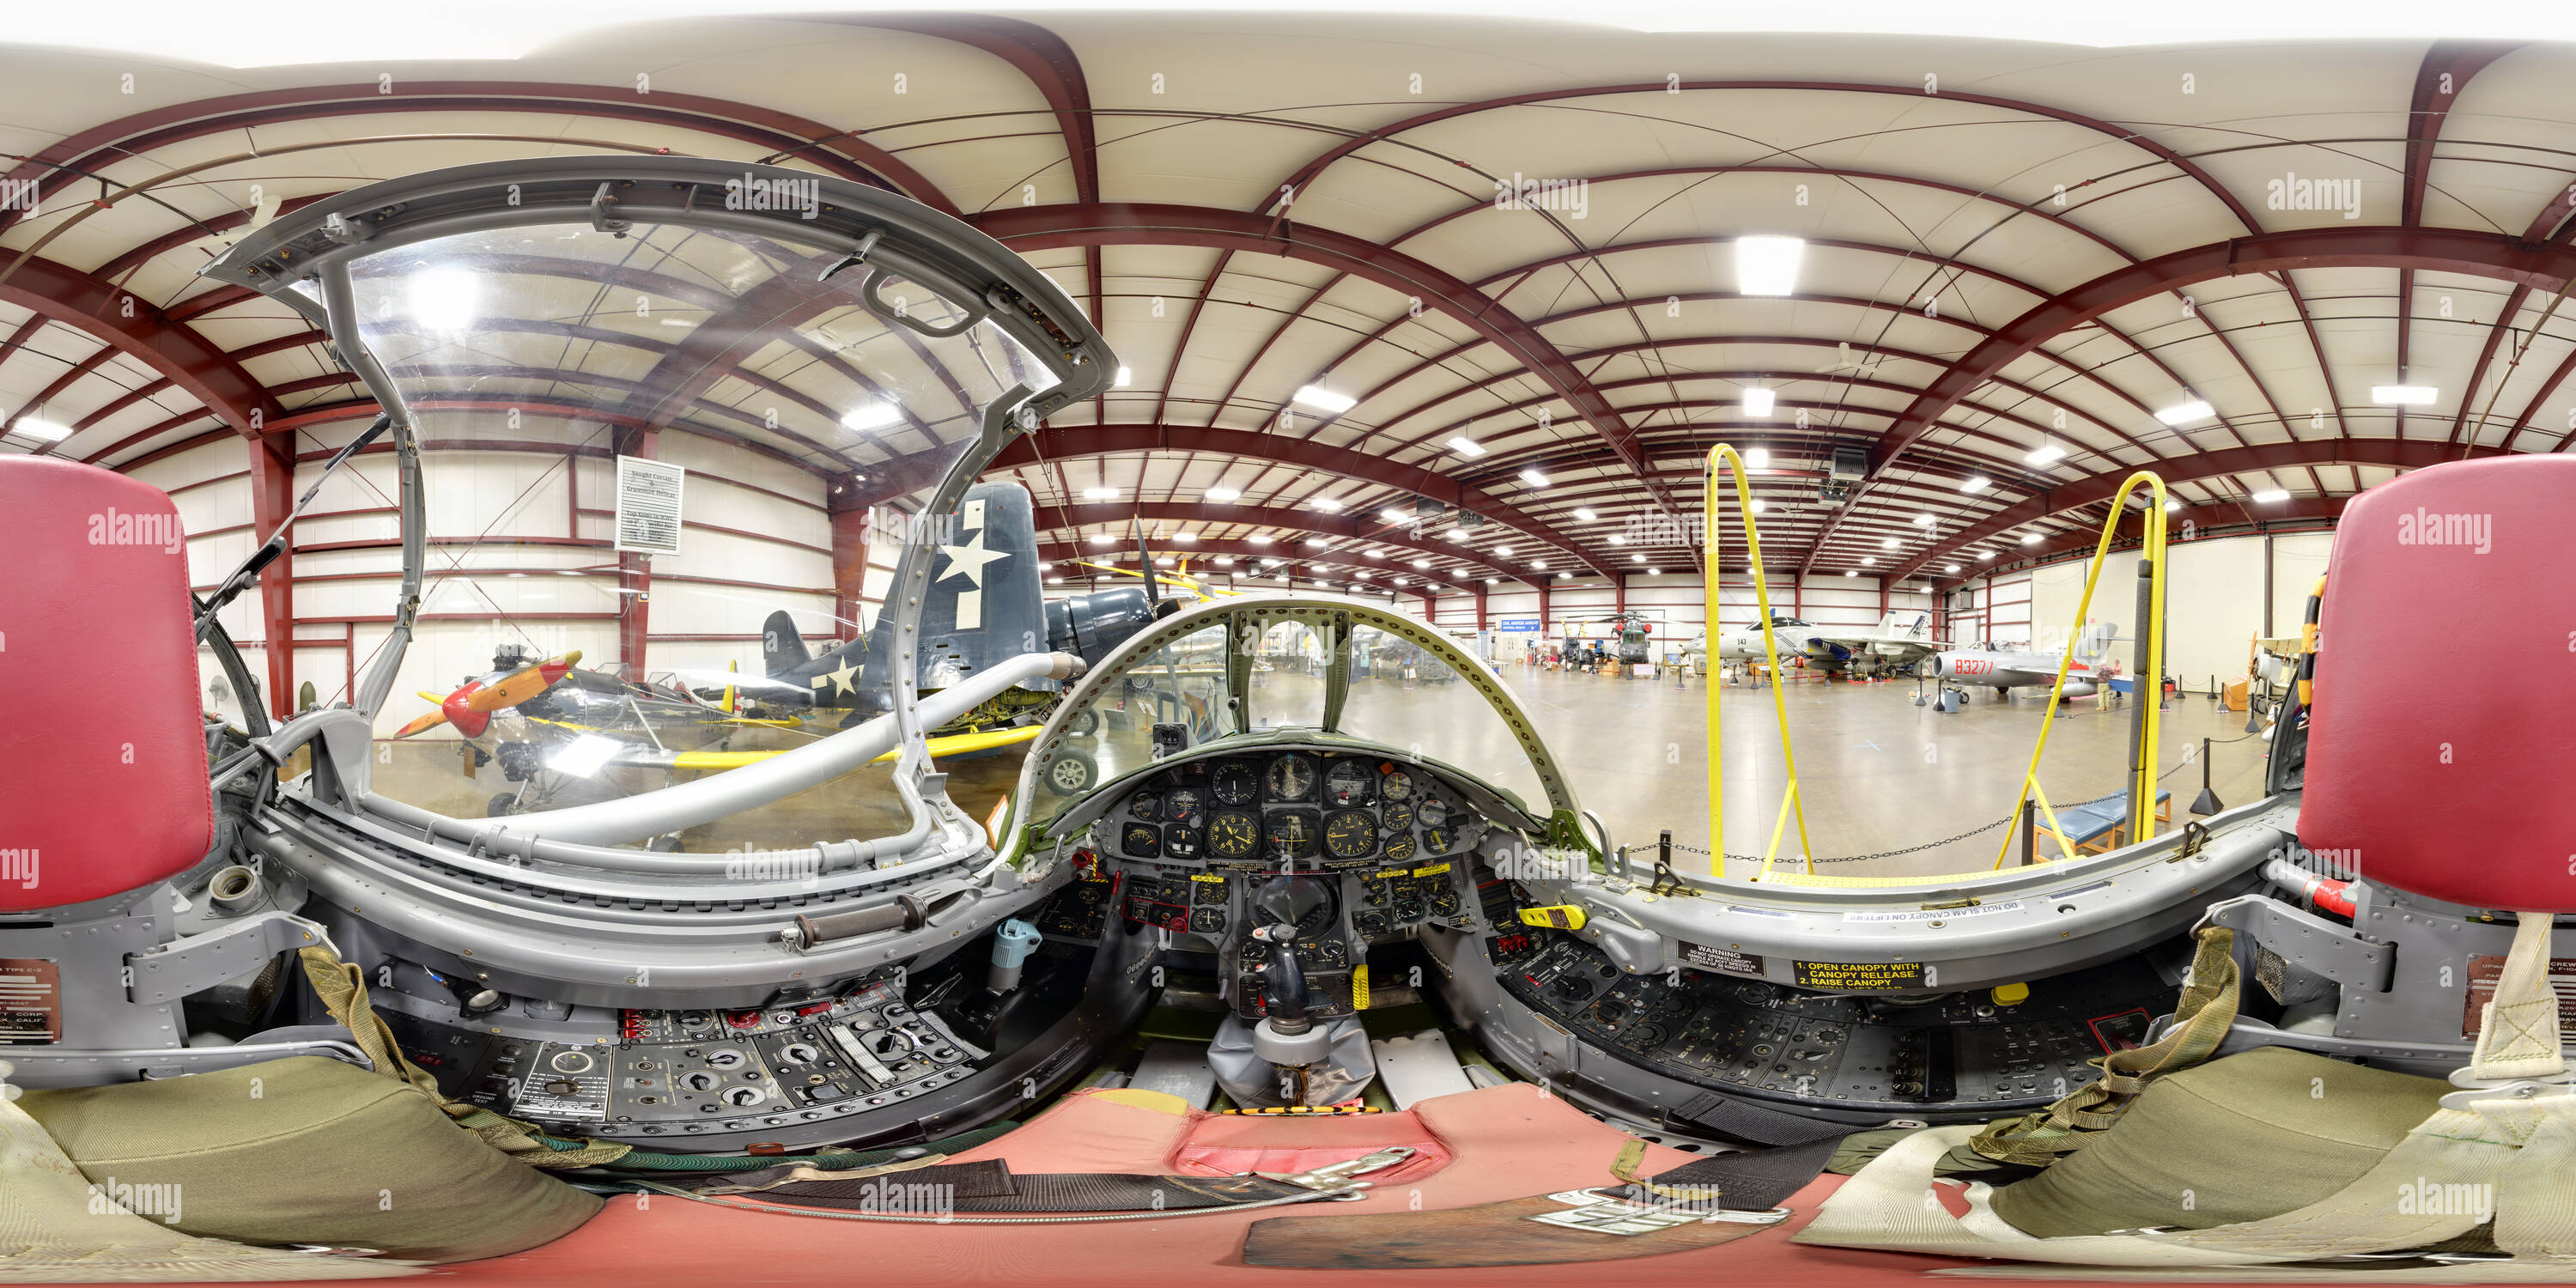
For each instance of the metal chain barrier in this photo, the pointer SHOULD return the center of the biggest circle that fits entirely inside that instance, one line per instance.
(1947, 840)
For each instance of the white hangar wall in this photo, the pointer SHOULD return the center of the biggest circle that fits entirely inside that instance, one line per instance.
(520, 530)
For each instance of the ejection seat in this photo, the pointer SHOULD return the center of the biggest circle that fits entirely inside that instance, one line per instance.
(108, 826)
(2440, 810)
(2438, 822)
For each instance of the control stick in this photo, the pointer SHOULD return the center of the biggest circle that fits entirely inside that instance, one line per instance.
(1287, 1036)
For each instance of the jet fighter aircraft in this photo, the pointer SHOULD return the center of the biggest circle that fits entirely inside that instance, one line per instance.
(2007, 669)
(1901, 639)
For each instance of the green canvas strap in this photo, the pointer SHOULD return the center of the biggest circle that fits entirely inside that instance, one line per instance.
(343, 990)
(2201, 1019)
(2518, 1036)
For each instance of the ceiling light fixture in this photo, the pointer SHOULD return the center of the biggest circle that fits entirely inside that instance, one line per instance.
(2185, 413)
(1325, 400)
(1767, 265)
(2046, 453)
(1533, 478)
(871, 414)
(1467, 447)
(1758, 401)
(1976, 483)
(2271, 494)
(1223, 494)
(2404, 395)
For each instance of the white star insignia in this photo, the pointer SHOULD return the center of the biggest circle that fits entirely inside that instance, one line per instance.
(839, 679)
(970, 560)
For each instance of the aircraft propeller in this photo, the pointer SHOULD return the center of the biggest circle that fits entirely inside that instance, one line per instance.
(470, 708)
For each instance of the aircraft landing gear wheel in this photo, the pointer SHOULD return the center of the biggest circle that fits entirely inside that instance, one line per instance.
(1072, 773)
(1085, 724)
(499, 806)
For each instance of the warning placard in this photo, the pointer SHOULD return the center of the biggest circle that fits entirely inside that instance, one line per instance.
(1858, 975)
(31, 1001)
(1725, 961)
(2482, 985)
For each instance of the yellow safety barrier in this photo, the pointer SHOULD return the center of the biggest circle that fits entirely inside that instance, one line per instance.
(1790, 800)
(2142, 788)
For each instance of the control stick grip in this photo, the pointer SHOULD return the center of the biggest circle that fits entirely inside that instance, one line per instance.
(1287, 985)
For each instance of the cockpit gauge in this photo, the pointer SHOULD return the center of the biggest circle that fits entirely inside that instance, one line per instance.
(1349, 834)
(1145, 805)
(1398, 816)
(1181, 841)
(1397, 785)
(1234, 833)
(1436, 840)
(1141, 841)
(1399, 849)
(1432, 812)
(1184, 806)
(1235, 783)
(1291, 779)
(1349, 782)
(1293, 834)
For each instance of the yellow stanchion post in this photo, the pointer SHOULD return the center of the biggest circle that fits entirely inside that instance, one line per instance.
(2142, 805)
(1790, 800)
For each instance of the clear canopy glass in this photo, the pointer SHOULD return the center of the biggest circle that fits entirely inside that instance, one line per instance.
(1252, 669)
(671, 471)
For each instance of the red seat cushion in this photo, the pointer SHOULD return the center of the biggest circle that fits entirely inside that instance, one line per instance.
(103, 783)
(2445, 698)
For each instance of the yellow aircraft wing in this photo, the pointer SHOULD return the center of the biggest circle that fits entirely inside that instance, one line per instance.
(712, 760)
(1182, 582)
(959, 744)
(953, 745)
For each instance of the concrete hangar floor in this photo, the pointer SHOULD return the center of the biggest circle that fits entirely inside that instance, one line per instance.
(1877, 772)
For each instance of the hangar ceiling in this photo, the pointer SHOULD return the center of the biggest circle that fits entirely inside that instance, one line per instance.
(2015, 257)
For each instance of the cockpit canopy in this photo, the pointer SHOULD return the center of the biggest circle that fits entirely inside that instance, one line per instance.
(1250, 671)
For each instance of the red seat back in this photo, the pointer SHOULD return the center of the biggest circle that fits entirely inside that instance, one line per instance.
(2445, 697)
(103, 783)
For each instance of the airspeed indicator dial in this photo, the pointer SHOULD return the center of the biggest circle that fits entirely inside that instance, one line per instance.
(1398, 785)
(1349, 834)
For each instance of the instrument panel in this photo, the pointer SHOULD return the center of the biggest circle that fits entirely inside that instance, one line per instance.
(1194, 846)
(1288, 811)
